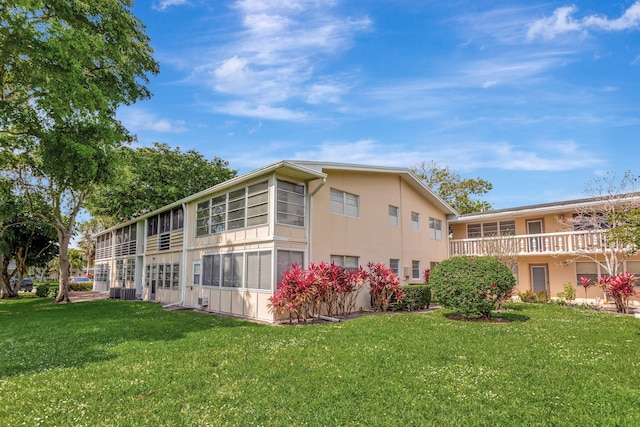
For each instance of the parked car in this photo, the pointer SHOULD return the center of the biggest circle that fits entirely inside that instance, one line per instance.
(26, 285)
(80, 279)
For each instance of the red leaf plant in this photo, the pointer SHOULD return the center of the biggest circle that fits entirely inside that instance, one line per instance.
(384, 286)
(585, 282)
(620, 287)
(321, 289)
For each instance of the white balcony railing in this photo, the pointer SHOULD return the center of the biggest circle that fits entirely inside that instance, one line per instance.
(569, 242)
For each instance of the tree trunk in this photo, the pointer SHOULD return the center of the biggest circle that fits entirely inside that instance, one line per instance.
(5, 284)
(64, 237)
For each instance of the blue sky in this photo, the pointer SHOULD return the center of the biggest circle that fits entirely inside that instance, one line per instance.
(539, 98)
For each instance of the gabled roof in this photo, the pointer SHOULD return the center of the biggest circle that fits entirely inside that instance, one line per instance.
(543, 208)
(406, 174)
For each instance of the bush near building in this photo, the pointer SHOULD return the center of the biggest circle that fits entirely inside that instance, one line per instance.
(472, 286)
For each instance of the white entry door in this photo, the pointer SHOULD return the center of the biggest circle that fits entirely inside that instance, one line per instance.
(535, 243)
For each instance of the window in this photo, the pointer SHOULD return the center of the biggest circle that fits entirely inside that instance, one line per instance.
(218, 214)
(197, 272)
(415, 221)
(435, 229)
(348, 262)
(285, 259)
(167, 276)
(257, 204)
(147, 276)
(235, 209)
(130, 270)
(415, 269)
(177, 220)
(345, 203)
(587, 269)
(290, 204)
(394, 265)
(164, 222)
(175, 276)
(202, 218)
(258, 271)
(126, 240)
(102, 273)
(245, 207)
(152, 225)
(119, 272)
(211, 270)
(394, 221)
(491, 229)
(232, 270)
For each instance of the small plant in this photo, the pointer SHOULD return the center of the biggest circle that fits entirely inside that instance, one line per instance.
(538, 297)
(585, 282)
(569, 293)
(42, 291)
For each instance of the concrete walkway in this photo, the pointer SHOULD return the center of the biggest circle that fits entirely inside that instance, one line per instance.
(79, 296)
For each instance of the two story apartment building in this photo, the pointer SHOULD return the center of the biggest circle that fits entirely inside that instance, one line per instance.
(225, 249)
(546, 245)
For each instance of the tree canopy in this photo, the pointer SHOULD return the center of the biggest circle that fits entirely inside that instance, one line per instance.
(148, 178)
(65, 68)
(452, 188)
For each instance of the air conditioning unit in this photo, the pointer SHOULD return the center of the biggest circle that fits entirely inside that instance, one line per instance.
(203, 301)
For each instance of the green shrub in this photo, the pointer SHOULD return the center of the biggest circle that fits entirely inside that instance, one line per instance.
(42, 291)
(416, 297)
(81, 286)
(569, 293)
(472, 286)
(53, 292)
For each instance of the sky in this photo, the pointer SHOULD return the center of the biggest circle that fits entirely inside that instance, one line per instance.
(539, 98)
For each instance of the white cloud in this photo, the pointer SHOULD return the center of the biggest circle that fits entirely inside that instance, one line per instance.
(277, 57)
(562, 21)
(164, 4)
(137, 119)
(260, 111)
(553, 156)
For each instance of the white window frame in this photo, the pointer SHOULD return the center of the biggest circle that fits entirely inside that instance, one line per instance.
(394, 216)
(415, 271)
(343, 203)
(435, 228)
(196, 273)
(415, 221)
(341, 260)
(394, 265)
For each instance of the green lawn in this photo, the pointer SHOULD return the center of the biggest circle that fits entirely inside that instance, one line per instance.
(116, 363)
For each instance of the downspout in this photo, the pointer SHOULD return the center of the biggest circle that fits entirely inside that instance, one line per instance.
(185, 232)
(309, 230)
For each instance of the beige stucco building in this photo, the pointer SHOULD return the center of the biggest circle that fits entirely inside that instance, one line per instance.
(548, 245)
(225, 248)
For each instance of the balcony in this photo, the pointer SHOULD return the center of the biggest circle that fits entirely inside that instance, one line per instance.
(569, 242)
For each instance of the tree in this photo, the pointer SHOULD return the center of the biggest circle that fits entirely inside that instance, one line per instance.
(65, 68)
(452, 188)
(24, 238)
(610, 224)
(149, 178)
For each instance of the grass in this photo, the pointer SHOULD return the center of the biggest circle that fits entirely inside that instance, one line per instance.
(116, 363)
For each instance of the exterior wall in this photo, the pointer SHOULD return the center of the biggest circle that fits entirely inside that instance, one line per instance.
(370, 236)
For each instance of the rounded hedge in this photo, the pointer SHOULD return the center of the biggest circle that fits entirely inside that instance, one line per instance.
(472, 286)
